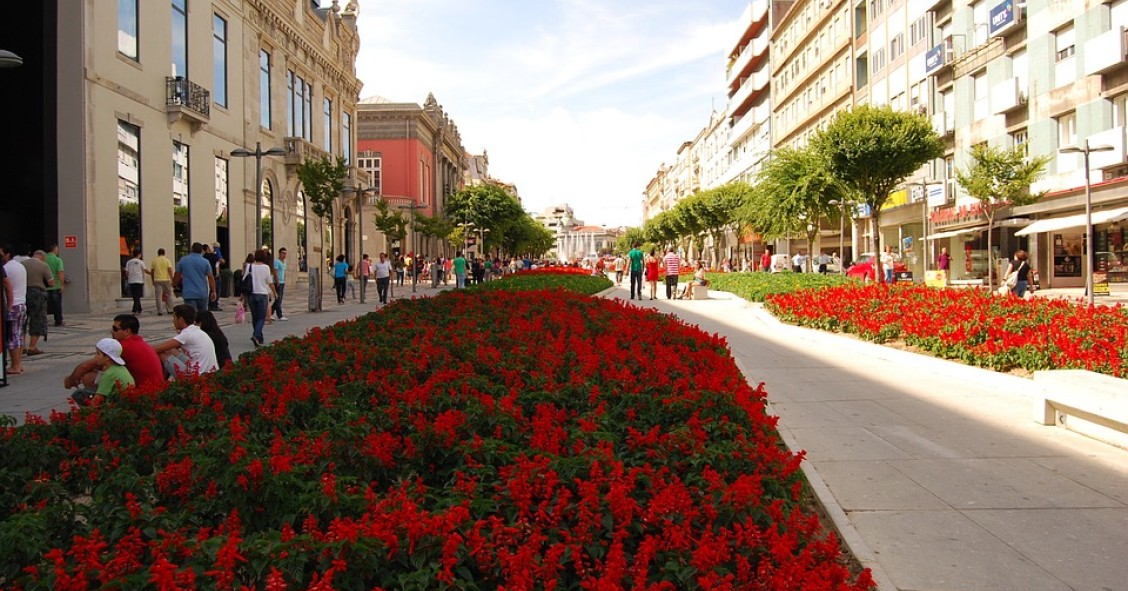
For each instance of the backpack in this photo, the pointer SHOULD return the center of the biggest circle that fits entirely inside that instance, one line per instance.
(247, 283)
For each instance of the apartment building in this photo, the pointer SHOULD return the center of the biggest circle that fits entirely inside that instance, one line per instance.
(147, 107)
(987, 92)
(415, 155)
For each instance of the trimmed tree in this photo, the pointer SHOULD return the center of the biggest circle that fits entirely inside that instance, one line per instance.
(792, 194)
(1000, 178)
(323, 180)
(872, 150)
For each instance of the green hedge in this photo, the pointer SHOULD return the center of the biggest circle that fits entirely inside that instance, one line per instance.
(754, 287)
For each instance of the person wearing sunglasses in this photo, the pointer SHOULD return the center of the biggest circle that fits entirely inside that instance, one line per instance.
(140, 358)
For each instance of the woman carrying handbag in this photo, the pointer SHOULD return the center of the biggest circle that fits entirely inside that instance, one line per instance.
(1017, 276)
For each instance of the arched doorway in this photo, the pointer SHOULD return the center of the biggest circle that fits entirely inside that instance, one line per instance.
(267, 220)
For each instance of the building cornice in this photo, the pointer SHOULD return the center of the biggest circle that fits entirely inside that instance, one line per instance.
(267, 20)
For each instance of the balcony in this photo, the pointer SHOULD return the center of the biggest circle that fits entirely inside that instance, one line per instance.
(1007, 96)
(755, 50)
(942, 123)
(1106, 52)
(298, 151)
(1116, 156)
(187, 100)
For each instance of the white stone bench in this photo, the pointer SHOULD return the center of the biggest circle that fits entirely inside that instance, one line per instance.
(1096, 399)
(965, 283)
(700, 292)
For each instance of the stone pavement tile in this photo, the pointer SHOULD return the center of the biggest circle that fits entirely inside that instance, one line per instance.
(808, 414)
(845, 443)
(960, 440)
(999, 484)
(872, 486)
(946, 551)
(818, 385)
(1087, 547)
(1107, 474)
(870, 413)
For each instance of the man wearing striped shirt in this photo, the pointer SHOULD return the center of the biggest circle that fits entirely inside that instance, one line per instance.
(672, 262)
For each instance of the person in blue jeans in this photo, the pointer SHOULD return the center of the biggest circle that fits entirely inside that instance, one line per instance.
(340, 277)
(195, 279)
(262, 289)
(280, 286)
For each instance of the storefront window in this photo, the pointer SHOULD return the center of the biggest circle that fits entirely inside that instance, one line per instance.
(1112, 253)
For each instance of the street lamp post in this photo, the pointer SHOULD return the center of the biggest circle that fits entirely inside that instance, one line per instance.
(483, 232)
(467, 227)
(1086, 149)
(9, 59)
(258, 154)
(415, 251)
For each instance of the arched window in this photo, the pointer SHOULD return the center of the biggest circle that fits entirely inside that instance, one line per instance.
(303, 234)
(267, 220)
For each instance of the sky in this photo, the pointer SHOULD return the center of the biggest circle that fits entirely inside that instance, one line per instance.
(575, 101)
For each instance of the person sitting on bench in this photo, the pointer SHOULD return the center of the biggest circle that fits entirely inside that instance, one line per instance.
(698, 279)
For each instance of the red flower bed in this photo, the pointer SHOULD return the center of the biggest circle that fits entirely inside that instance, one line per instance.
(477, 440)
(972, 325)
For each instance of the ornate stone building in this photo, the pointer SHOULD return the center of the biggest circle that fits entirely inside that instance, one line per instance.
(147, 107)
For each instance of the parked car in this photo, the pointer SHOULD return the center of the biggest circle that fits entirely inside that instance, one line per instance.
(863, 268)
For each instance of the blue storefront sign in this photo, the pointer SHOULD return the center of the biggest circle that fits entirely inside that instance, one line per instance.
(934, 59)
(1002, 17)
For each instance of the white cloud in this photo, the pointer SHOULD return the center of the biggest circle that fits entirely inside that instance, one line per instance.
(576, 101)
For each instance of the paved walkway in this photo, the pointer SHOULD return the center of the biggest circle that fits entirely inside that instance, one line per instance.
(934, 472)
(39, 389)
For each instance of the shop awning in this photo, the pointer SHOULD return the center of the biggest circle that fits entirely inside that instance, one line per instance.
(951, 233)
(1073, 221)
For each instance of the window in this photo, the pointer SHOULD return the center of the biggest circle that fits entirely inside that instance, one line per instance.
(897, 46)
(180, 38)
(128, 28)
(129, 189)
(979, 16)
(1119, 110)
(181, 215)
(1020, 138)
(1067, 136)
(372, 166)
(918, 31)
(264, 89)
(1064, 42)
(290, 103)
(299, 107)
(307, 110)
(346, 136)
(219, 60)
(267, 220)
(980, 95)
(329, 125)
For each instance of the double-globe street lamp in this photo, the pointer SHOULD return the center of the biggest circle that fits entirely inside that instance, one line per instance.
(258, 154)
(1086, 149)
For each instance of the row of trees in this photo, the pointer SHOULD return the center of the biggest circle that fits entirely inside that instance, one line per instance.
(856, 161)
(485, 211)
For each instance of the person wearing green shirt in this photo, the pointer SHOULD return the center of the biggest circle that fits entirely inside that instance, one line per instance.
(635, 257)
(55, 292)
(115, 377)
(459, 266)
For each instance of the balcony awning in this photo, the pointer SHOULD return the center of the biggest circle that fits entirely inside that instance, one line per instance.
(951, 233)
(1073, 221)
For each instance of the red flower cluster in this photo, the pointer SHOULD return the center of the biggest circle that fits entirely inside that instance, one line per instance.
(972, 325)
(477, 440)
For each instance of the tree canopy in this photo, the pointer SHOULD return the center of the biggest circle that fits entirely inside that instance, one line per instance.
(323, 180)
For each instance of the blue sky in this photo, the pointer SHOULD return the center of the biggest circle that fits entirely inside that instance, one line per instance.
(576, 101)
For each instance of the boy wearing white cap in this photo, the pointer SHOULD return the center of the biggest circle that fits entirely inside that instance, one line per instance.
(115, 377)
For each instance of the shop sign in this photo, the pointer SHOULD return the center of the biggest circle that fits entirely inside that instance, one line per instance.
(951, 216)
(936, 197)
(1002, 17)
(936, 278)
(903, 277)
(1100, 283)
(70, 241)
(934, 59)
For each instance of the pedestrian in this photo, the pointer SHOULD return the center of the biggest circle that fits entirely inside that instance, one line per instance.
(797, 262)
(652, 263)
(672, 265)
(39, 280)
(140, 358)
(365, 273)
(1019, 266)
(766, 261)
(634, 258)
(944, 261)
(17, 308)
(207, 323)
(340, 277)
(262, 289)
(55, 292)
(822, 260)
(135, 271)
(279, 285)
(459, 266)
(161, 272)
(399, 266)
(436, 272)
(191, 351)
(114, 376)
(382, 269)
(887, 261)
(194, 278)
(211, 255)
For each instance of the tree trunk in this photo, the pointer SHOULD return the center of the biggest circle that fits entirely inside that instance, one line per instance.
(875, 229)
(990, 251)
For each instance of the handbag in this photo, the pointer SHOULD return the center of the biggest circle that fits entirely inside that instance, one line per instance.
(240, 313)
(1012, 280)
(247, 283)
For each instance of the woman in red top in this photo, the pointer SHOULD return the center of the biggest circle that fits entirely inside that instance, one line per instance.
(652, 272)
(766, 261)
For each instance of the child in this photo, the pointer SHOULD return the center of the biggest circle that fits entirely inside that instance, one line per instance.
(114, 378)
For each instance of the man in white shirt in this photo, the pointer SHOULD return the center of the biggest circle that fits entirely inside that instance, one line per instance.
(191, 351)
(798, 262)
(383, 271)
(135, 275)
(17, 310)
